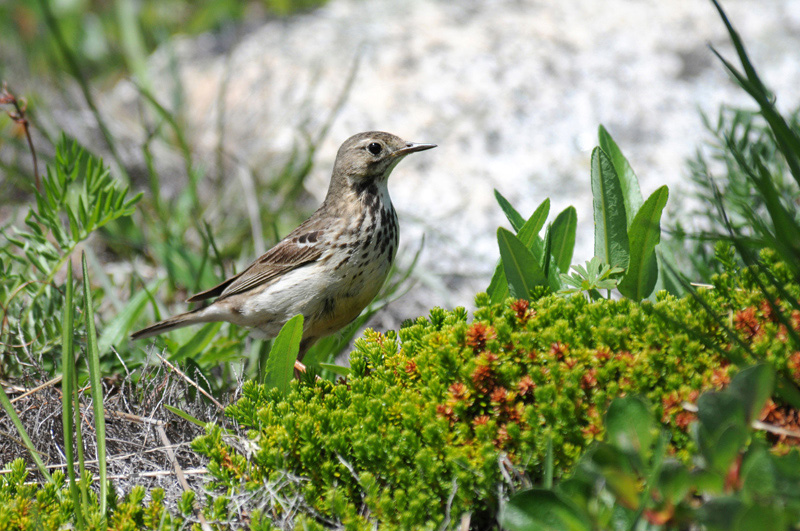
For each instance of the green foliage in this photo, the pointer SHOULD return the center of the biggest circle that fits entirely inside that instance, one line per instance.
(624, 482)
(30, 506)
(78, 198)
(113, 38)
(753, 202)
(627, 231)
(428, 420)
(280, 364)
(592, 278)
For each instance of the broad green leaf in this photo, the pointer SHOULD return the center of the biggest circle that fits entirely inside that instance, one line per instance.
(630, 426)
(563, 236)
(498, 286)
(521, 267)
(280, 364)
(514, 217)
(753, 385)
(627, 179)
(758, 472)
(723, 429)
(610, 225)
(529, 235)
(674, 480)
(643, 235)
(117, 330)
(542, 510)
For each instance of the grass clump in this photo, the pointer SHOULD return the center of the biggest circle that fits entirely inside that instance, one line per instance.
(443, 417)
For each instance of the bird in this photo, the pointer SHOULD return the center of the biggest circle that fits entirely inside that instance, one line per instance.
(330, 267)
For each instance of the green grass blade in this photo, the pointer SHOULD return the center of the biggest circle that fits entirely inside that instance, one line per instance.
(93, 355)
(280, 364)
(12, 414)
(67, 383)
(610, 224)
(787, 139)
(185, 416)
(514, 217)
(563, 233)
(521, 267)
(644, 234)
(627, 178)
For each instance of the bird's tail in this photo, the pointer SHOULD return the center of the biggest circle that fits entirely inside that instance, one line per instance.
(173, 323)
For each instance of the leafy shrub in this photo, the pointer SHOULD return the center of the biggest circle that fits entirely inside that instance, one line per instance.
(439, 419)
(735, 483)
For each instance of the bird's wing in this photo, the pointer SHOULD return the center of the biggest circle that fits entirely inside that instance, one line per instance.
(305, 244)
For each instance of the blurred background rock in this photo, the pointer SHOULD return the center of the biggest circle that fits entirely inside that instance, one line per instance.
(512, 91)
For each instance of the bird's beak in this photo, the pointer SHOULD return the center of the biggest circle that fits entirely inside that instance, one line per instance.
(412, 147)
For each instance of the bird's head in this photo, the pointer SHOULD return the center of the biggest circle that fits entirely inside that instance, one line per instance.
(368, 158)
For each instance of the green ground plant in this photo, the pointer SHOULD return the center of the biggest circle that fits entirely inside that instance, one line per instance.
(627, 482)
(442, 421)
(441, 418)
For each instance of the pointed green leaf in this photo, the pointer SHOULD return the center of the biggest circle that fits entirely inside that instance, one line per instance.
(336, 369)
(529, 235)
(514, 217)
(627, 179)
(643, 235)
(521, 267)
(610, 225)
(184, 415)
(280, 364)
(563, 235)
(530, 230)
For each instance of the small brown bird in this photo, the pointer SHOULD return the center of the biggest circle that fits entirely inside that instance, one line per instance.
(330, 267)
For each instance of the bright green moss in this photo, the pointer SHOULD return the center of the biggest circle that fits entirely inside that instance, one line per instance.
(435, 419)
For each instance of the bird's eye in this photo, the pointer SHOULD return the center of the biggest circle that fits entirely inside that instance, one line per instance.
(374, 148)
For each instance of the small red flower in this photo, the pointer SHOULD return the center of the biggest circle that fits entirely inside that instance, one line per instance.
(746, 322)
(458, 390)
(499, 395)
(526, 385)
(478, 334)
(558, 350)
(684, 418)
(602, 354)
(411, 367)
(589, 379)
(520, 307)
(481, 420)
(483, 378)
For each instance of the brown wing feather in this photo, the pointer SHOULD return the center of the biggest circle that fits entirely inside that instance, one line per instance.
(216, 291)
(303, 245)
